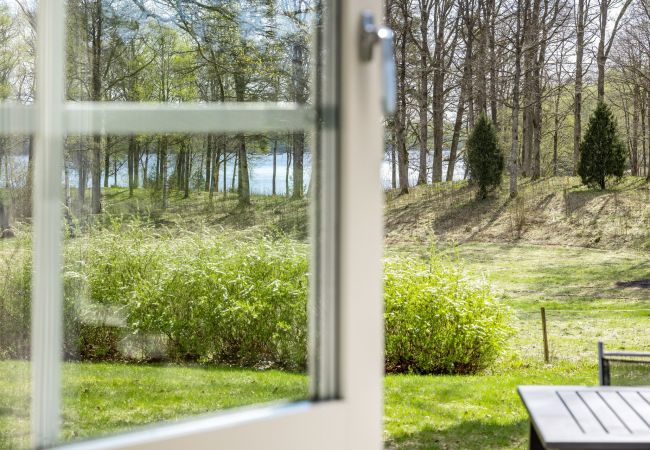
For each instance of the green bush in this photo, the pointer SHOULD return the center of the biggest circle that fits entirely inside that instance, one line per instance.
(602, 153)
(213, 298)
(133, 292)
(15, 300)
(439, 321)
(484, 156)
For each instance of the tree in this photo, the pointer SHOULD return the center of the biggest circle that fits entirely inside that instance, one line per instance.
(581, 17)
(484, 156)
(514, 146)
(602, 153)
(604, 44)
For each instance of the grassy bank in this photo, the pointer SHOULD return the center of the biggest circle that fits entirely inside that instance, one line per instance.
(549, 211)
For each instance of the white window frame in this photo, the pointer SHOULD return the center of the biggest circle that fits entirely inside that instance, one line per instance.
(346, 366)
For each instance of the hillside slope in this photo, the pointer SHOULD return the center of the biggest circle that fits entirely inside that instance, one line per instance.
(551, 211)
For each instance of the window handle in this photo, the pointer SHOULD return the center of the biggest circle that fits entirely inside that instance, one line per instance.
(370, 35)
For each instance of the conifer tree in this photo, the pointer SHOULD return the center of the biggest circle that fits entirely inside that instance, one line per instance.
(602, 153)
(484, 157)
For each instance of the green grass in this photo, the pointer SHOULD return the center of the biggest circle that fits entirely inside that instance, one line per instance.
(105, 398)
(469, 412)
(577, 286)
(266, 213)
(424, 412)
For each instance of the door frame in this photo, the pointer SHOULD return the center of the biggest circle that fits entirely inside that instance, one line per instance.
(347, 333)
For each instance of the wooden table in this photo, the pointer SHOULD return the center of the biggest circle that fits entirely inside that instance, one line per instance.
(594, 418)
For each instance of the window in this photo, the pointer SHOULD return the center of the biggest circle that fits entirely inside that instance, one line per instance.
(343, 403)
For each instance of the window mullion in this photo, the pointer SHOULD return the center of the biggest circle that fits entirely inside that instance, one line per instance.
(47, 290)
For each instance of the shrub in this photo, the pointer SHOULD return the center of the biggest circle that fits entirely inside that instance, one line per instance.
(602, 153)
(484, 156)
(133, 292)
(15, 300)
(213, 298)
(439, 321)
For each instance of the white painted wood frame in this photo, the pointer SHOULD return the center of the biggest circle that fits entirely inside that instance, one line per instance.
(346, 304)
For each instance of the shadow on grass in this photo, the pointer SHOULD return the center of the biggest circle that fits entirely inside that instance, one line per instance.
(466, 435)
(470, 215)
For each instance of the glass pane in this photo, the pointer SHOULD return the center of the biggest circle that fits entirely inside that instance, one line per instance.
(169, 51)
(15, 290)
(17, 42)
(183, 294)
(16, 86)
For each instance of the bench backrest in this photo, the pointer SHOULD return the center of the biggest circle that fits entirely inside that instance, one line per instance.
(623, 368)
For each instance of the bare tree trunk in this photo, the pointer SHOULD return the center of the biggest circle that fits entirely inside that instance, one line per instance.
(131, 162)
(634, 148)
(217, 154)
(136, 165)
(493, 63)
(577, 96)
(225, 174)
(163, 171)
(187, 171)
(458, 121)
(107, 165)
(96, 82)
(244, 186)
(423, 88)
(66, 186)
(458, 124)
(400, 114)
(531, 17)
(145, 168)
(275, 166)
(286, 173)
(556, 126)
(298, 161)
(442, 9)
(604, 46)
(644, 166)
(393, 162)
(545, 23)
(514, 148)
(601, 59)
(208, 165)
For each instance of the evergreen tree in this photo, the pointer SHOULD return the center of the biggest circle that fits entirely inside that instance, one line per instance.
(602, 153)
(484, 156)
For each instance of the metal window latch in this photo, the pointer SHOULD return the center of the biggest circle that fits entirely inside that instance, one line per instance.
(369, 35)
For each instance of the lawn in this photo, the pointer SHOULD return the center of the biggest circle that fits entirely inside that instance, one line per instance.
(578, 286)
(103, 398)
(436, 412)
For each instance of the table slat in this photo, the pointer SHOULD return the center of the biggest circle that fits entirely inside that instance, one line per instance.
(580, 412)
(624, 412)
(604, 414)
(636, 402)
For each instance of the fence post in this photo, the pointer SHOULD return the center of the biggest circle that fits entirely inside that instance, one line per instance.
(544, 335)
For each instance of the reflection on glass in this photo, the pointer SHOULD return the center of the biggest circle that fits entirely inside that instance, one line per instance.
(183, 294)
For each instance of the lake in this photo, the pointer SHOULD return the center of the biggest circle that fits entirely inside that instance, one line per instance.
(260, 168)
